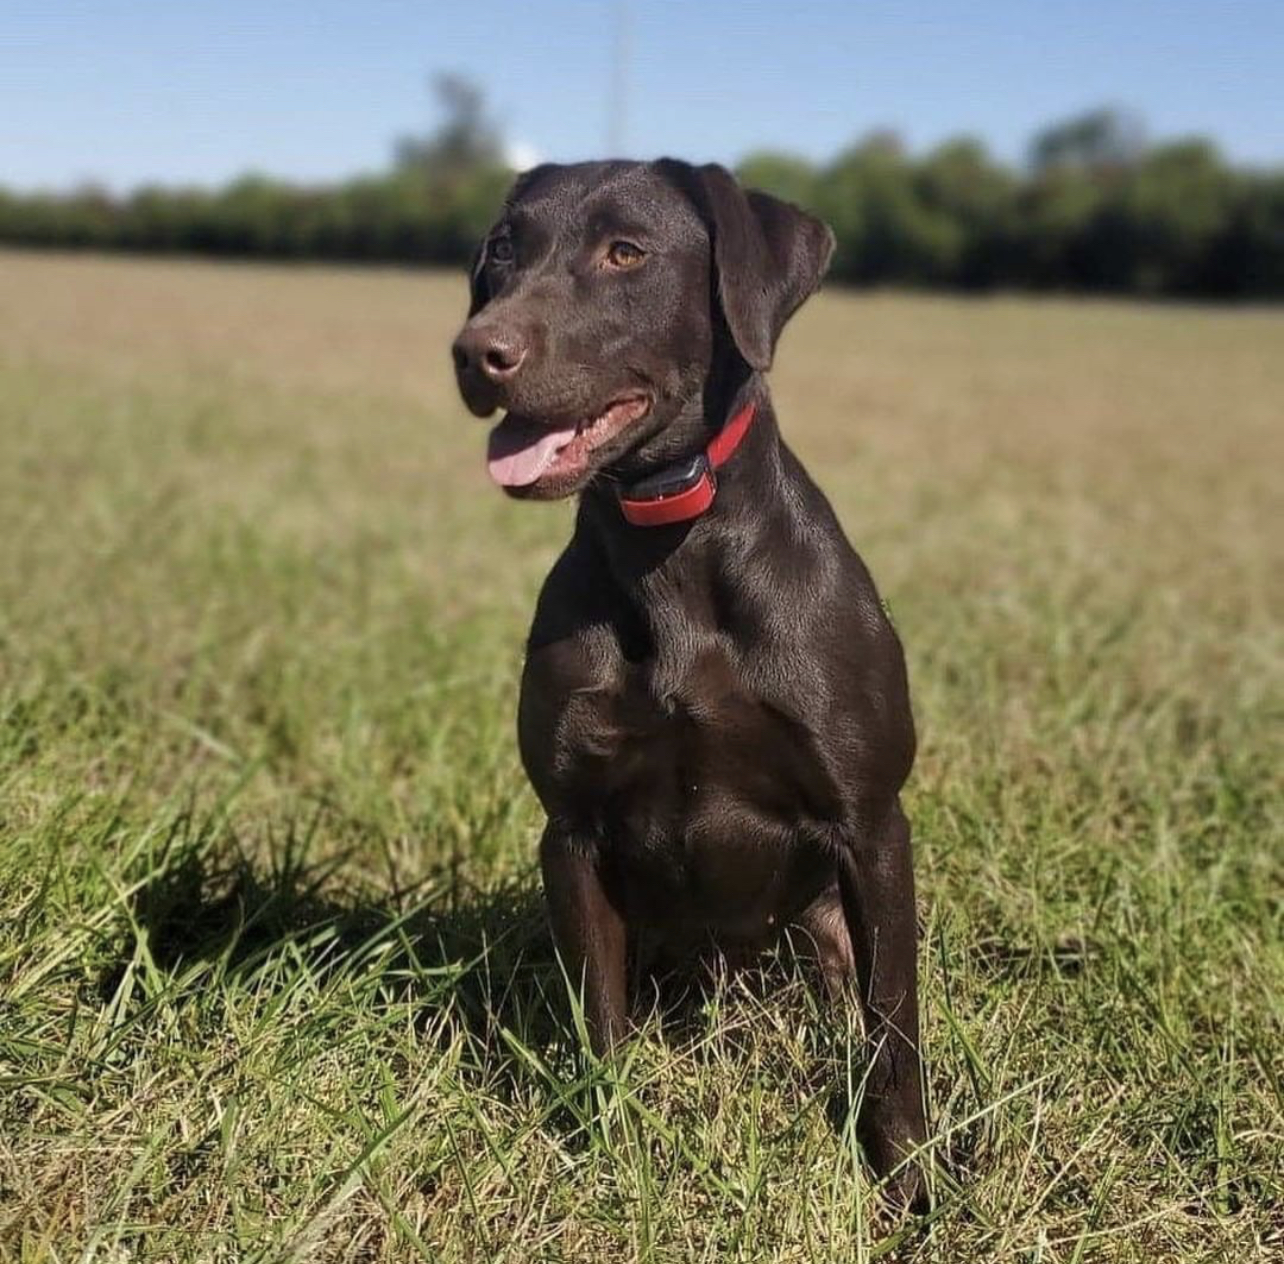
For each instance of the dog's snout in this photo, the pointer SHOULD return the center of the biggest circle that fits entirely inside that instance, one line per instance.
(495, 353)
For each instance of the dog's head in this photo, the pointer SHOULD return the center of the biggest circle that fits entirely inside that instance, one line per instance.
(603, 299)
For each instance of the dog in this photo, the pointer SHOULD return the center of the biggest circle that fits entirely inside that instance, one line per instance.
(714, 706)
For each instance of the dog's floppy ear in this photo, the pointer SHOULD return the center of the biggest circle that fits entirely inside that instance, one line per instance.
(769, 256)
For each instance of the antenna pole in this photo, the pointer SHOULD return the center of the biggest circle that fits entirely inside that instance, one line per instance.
(617, 111)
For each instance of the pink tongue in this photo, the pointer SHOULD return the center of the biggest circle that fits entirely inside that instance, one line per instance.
(520, 451)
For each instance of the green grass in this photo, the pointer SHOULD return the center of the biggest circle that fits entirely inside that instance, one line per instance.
(274, 980)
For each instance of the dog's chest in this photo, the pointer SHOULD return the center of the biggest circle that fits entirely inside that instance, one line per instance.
(698, 784)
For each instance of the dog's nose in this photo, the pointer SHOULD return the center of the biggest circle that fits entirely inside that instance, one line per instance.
(497, 353)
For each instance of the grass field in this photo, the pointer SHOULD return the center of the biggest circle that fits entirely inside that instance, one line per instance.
(274, 980)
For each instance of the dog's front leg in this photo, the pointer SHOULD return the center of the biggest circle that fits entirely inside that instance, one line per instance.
(589, 932)
(876, 880)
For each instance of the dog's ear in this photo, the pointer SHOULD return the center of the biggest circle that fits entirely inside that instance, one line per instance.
(478, 290)
(769, 256)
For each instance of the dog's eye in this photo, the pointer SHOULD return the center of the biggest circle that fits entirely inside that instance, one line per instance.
(501, 250)
(624, 255)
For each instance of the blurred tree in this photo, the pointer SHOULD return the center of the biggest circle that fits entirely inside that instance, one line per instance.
(1076, 163)
(1248, 256)
(958, 181)
(884, 228)
(1097, 140)
(785, 175)
(1052, 216)
(1156, 228)
(467, 140)
(1094, 210)
(446, 187)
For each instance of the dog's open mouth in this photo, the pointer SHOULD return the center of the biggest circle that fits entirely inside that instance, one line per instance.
(523, 452)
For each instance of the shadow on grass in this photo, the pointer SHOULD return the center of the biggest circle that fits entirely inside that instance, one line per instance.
(483, 953)
(458, 956)
(488, 948)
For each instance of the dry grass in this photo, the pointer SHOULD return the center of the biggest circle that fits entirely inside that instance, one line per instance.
(274, 979)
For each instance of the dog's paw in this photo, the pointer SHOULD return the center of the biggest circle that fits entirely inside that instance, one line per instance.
(888, 1137)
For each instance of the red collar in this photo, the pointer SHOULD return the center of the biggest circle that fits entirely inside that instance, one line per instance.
(685, 490)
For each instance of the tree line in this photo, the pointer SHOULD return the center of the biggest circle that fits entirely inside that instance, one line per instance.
(1093, 208)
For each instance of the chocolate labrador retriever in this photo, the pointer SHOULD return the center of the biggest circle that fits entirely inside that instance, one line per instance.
(714, 709)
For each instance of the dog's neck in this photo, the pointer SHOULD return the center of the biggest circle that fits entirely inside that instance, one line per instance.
(644, 558)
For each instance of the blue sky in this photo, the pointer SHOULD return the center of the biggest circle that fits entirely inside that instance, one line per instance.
(195, 93)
